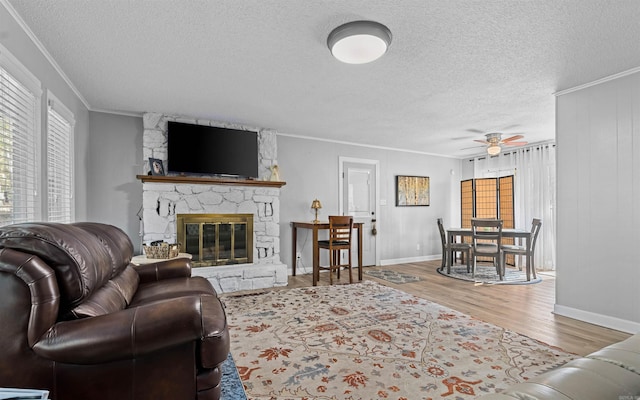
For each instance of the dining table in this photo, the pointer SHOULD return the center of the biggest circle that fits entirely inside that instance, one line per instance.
(517, 234)
(315, 227)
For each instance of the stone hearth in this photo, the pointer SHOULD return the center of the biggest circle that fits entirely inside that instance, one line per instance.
(163, 201)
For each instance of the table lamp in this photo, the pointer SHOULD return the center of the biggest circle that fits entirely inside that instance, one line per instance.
(315, 205)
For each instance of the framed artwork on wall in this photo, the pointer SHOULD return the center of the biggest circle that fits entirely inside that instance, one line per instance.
(412, 190)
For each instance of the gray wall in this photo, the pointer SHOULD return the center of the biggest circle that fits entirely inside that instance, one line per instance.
(14, 39)
(598, 164)
(310, 169)
(115, 195)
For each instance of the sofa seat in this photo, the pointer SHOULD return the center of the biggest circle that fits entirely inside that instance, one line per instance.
(610, 373)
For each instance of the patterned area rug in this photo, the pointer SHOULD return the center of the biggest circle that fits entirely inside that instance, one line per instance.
(487, 274)
(391, 275)
(369, 341)
(231, 387)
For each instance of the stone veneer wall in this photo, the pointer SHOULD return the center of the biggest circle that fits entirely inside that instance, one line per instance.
(162, 201)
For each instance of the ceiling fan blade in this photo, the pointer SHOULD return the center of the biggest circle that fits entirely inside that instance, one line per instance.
(475, 131)
(515, 137)
(472, 147)
(481, 141)
(515, 143)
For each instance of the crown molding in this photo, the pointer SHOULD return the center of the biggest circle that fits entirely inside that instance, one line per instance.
(364, 145)
(598, 81)
(14, 14)
(124, 113)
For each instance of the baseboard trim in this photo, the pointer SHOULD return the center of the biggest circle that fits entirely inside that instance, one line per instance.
(597, 319)
(409, 260)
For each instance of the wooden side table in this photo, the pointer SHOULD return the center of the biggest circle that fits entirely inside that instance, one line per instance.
(142, 258)
(315, 227)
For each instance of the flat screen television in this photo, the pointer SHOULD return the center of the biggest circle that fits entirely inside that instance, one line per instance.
(207, 150)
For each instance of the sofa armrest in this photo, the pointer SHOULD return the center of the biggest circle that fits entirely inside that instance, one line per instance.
(166, 269)
(133, 332)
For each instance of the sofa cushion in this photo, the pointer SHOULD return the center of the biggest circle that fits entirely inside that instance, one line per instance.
(80, 261)
(115, 241)
(127, 283)
(579, 379)
(112, 297)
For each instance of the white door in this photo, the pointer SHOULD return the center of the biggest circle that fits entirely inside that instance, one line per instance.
(359, 198)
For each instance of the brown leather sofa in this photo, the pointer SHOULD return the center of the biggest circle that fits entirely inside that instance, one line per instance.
(610, 373)
(78, 319)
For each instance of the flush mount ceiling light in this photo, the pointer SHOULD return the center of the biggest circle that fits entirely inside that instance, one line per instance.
(359, 42)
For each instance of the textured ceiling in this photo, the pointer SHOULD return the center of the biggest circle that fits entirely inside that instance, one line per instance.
(454, 68)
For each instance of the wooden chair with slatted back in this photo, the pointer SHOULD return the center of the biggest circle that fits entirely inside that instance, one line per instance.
(524, 250)
(449, 249)
(486, 237)
(340, 228)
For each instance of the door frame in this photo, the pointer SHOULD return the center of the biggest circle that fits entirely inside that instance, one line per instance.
(376, 163)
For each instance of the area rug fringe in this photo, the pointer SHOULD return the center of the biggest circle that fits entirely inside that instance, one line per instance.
(369, 341)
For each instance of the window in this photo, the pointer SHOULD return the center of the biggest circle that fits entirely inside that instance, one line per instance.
(20, 95)
(60, 124)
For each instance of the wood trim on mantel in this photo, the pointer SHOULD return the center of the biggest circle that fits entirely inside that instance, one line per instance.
(205, 180)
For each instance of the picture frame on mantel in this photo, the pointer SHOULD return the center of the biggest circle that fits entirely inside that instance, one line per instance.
(412, 191)
(156, 166)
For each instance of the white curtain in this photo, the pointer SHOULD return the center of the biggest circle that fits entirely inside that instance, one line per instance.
(535, 197)
(534, 191)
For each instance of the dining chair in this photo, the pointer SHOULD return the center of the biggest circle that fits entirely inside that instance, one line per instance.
(527, 250)
(340, 228)
(486, 235)
(450, 249)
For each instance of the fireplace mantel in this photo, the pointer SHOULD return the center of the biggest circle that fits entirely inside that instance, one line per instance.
(202, 180)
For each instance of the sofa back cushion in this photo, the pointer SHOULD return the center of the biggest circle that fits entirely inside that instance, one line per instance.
(115, 295)
(115, 241)
(83, 262)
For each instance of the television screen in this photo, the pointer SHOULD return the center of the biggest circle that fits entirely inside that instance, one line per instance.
(208, 150)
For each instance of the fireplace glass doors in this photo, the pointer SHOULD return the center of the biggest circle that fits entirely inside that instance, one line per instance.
(216, 239)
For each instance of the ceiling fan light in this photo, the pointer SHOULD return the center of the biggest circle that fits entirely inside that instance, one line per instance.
(359, 42)
(493, 150)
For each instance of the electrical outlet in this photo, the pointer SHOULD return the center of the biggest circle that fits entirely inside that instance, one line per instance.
(418, 246)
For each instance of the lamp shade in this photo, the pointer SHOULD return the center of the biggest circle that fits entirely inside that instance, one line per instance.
(359, 42)
(493, 150)
(316, 204)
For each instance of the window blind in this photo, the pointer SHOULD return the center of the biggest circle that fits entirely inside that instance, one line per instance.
(18, 132)
(59, 167)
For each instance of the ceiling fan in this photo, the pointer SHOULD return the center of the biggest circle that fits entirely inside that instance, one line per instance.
(495, 142)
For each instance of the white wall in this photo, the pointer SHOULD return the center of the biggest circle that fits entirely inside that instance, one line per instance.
(598, 164)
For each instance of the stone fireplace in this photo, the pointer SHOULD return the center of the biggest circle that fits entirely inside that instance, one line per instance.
(168, 200)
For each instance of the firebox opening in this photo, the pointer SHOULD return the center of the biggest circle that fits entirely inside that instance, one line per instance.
(216, 239)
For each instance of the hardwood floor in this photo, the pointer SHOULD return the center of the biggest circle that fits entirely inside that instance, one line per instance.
(526, 309)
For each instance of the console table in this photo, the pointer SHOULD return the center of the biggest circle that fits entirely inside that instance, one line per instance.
(315, 227)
